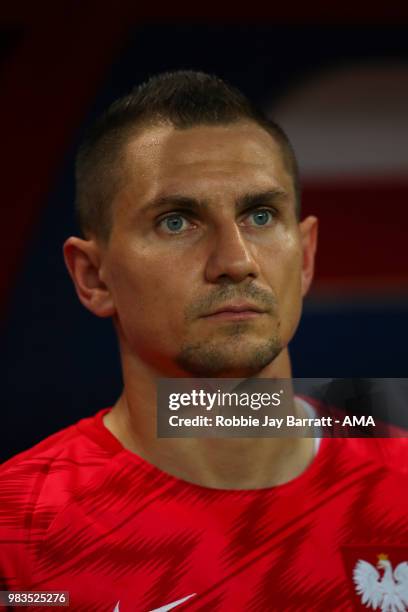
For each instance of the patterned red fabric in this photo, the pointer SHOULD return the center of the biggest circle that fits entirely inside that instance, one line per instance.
(80, 513)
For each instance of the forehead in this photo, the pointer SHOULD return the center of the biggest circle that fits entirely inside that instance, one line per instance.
(161, 160)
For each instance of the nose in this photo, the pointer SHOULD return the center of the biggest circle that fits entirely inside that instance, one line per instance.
(230, 257)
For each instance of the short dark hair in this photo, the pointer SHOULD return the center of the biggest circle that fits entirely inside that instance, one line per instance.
(183, 99)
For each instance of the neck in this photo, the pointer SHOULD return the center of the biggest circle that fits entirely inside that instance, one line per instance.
(226, 463)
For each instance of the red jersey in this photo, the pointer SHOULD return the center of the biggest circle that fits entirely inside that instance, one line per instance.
(80, 513)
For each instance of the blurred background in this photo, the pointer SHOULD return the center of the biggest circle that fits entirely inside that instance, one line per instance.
(337, 83)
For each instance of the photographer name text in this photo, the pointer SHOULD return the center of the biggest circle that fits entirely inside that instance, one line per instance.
(267, 421)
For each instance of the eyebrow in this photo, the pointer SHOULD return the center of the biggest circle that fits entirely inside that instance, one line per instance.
(186, 202)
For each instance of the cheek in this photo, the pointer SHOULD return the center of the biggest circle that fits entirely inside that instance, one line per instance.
(284, 276)
(283, 262)
(148, 287)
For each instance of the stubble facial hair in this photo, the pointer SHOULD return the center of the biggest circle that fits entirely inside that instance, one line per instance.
(224, 356)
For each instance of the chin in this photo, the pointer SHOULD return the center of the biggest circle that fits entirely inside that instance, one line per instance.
(235, 372)
(209, 360)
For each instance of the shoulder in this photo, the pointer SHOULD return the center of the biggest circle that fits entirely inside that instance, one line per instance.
(43, 477)
(383, 447)
(386, 454)
(75, 440)
(37, 484)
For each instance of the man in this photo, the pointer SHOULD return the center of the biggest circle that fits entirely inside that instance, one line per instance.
(189, 205)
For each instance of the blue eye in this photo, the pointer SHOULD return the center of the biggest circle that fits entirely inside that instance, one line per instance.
(261, 217)
(173, 223)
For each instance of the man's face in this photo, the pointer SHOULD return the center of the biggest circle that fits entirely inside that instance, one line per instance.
(205, 255)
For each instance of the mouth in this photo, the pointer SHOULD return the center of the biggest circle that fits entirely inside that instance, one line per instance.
(236, 312)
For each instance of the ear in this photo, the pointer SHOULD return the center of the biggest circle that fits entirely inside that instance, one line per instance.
(308, 232)
(83, 260)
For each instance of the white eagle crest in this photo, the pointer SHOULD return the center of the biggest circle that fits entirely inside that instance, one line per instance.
(388, 593)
